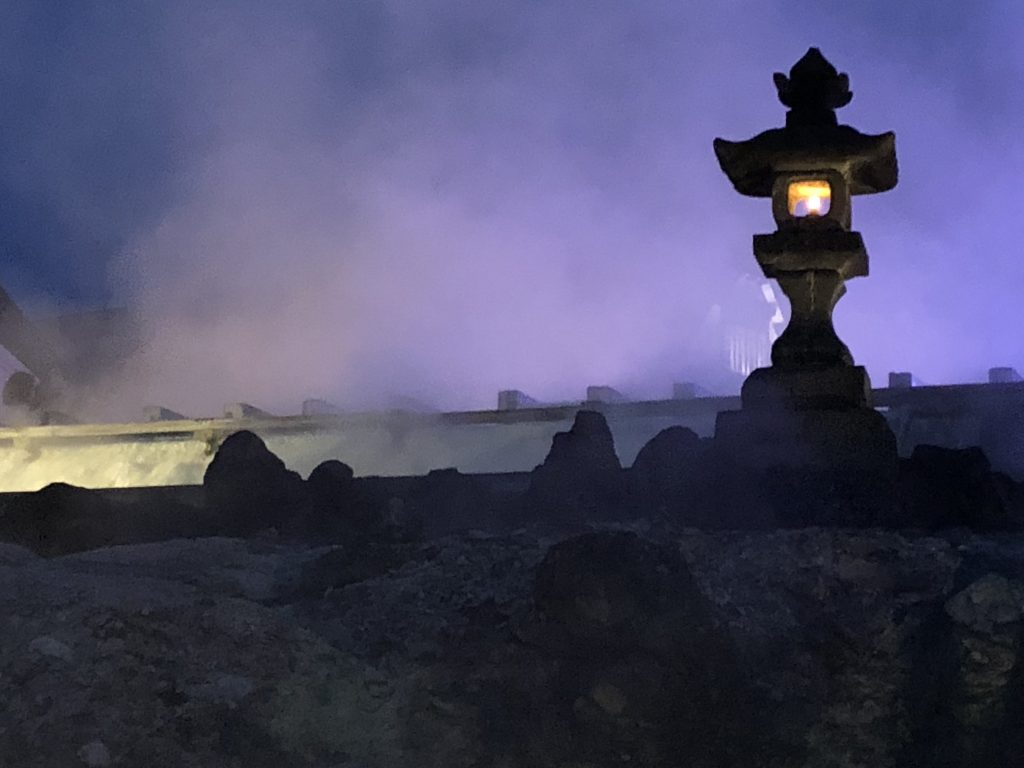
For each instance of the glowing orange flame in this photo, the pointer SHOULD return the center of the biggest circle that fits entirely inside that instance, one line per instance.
(809, 198)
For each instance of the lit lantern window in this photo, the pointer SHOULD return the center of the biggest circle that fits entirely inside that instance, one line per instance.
(809, 198)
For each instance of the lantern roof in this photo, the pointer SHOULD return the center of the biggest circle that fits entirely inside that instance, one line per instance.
(812, 137)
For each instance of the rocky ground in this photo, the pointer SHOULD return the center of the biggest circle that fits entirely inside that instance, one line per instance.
(580, 616)
(641, 648)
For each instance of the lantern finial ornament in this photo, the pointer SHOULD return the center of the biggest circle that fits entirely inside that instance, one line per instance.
(813, 90)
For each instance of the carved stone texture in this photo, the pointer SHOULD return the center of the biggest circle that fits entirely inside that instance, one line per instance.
(869, 161)
(812, 138)
(793, 251)
(810, 339)
(811, 268)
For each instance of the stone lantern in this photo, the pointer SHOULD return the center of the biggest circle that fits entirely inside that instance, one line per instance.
(812, 406)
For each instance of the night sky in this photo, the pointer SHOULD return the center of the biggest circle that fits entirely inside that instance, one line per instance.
(360, 200)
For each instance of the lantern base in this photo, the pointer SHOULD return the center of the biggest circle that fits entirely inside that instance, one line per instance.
(813, 467)
(838, 387)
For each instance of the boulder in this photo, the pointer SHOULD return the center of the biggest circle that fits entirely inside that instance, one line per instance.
(249, 489)
(350, 564)
(446, 501)
(723, 494)
(339, 512)
(56, 519)
(1001, 436)
(633, 639)
(967, 698)
(948, 487)
(607, 591)
(331, 483)
(581, 480)
(664, 472)
(62, 518)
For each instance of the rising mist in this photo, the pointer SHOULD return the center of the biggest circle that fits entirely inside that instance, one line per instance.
(367, 200)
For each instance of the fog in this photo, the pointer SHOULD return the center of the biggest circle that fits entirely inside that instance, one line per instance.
(364, 201)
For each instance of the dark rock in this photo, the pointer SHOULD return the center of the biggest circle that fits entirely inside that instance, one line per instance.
(947, 487)
(331, 482)
(249, 489)
(587, 445)
(339, 511)
(446, 501)
(606, 591)
(965, 703)
(581, 480)
(633, 642)
(726, 495)
(1002, 438)
(387, 500)
(350, 565)
(54, 519)
(62, 518)
(664, 472)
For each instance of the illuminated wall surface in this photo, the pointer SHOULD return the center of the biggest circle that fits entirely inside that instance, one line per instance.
(382, 449)
(177, 453)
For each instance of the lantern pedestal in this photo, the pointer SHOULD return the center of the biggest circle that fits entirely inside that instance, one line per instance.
(839, 387)
(813, 467)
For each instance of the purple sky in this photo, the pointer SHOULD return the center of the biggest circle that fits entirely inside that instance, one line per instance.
(366, 200)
